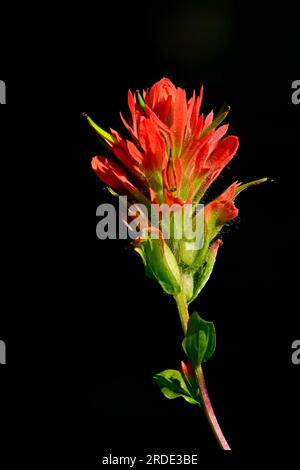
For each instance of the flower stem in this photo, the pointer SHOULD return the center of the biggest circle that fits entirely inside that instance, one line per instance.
(182, 310)
(209, 412)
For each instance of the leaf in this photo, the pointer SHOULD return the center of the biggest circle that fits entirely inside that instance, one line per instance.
(141, 101)
(200, 341)
(105, 135)
(172, 385)
(241, 188)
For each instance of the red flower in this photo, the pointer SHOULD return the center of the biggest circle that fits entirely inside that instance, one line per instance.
(174, 153)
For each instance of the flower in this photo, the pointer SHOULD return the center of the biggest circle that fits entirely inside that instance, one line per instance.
(172, 155)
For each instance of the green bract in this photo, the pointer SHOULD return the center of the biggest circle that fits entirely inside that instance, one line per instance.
(160, 264)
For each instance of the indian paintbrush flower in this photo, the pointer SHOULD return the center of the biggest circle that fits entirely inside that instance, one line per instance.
(171, 155)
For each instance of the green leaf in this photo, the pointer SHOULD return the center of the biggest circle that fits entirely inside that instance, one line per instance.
(172, 385)
(105, 135)
(141, 101)
(241, 188)
(200, 341)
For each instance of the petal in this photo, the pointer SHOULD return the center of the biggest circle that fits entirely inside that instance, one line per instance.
(230, 193)
(190, 108)
(132, 108)
(153, 146)
(224, 152)
(208, 120)
(179, 119)
(112, 174)
(201, 157)
(160, 92)
(128, 127)
(122, 152)
(196, 110)
(134, 152)
(218, 213)
(219, 133)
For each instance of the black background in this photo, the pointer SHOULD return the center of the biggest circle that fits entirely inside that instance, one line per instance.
(85, 329)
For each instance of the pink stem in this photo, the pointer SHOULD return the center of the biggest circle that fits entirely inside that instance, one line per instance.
(210, 414)
(184, 317)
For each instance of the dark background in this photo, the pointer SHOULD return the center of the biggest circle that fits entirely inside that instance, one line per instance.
(85, 329)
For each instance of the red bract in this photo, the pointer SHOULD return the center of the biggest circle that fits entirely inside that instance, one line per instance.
(174, 153)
